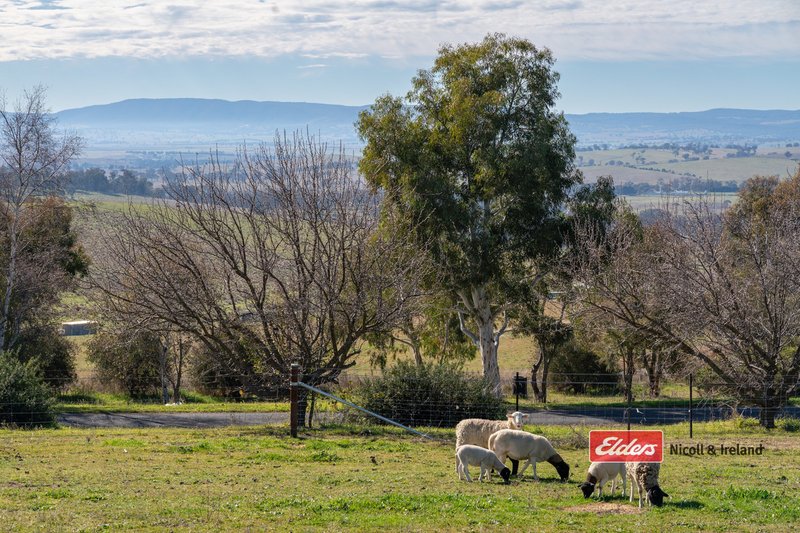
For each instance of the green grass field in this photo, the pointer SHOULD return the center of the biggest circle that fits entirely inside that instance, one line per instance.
(367, 478)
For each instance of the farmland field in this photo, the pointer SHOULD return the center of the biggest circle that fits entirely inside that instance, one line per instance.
(652, 165)
(368, 478)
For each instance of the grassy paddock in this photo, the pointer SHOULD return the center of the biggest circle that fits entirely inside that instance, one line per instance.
(366, 478)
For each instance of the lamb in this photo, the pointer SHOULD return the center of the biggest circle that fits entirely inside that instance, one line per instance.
(471, 455)
(644, 476)
(478, 430)
(599, 474)
(523, 445)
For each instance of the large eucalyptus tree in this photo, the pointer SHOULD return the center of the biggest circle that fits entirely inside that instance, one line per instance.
(480, 158)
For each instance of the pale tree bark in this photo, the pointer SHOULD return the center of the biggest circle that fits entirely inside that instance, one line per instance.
(478, 307)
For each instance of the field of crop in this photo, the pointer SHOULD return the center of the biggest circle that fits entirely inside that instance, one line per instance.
(651, 165)
(367, 478)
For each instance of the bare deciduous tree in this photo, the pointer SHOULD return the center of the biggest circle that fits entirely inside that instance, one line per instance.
(278, 258)
(32, 162)
(722, 289)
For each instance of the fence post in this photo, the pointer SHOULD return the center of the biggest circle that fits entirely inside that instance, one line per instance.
(691, 415)
(516, 390)
(628, 411)
(293, 399)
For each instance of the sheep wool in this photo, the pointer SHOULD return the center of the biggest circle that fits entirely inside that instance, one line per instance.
(644, 476)
(510, 443)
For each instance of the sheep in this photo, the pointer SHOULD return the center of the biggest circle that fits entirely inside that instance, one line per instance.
(523, 445)
(477, 431)
(471, 455)
(599, 474)
(644, 476)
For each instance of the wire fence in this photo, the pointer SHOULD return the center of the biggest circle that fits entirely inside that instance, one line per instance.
(566, 399)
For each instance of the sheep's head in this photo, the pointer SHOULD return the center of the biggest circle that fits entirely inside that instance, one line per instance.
(563, 470)
(656, 496)
(506, 475)
(561, 466)
(587, 488)
(517, 419)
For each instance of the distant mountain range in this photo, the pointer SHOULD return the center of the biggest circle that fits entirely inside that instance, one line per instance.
(190, 124)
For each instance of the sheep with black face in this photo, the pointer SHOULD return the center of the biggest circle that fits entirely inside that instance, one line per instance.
(601, 473)
(519, 445)
(644, 476)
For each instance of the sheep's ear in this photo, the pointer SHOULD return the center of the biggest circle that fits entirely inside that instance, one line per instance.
(526, 416)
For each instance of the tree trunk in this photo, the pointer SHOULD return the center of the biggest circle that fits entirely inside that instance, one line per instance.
(545, 372)
(491, 370)
(417, 353)
(487, 340)
(654, 366)
(628, 369)
(11, 271)
(176, 385)
(770, 405)
(535, 377)
(163, 368)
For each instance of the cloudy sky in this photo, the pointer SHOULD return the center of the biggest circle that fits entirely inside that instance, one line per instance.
(613, 55)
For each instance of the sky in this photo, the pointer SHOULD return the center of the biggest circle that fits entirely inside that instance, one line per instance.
(612, 55)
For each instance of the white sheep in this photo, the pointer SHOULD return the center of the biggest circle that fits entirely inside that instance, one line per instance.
(520, 445)
(644, 476)
(471, 455)
(601, 473)
(478, 430)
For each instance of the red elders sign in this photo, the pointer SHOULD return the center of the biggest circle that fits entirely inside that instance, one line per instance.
(626, 446)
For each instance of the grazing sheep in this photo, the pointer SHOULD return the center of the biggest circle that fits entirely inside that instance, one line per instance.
(644, 476)
(523, 445)
(601, 473)
(478, 430)
(471, 455)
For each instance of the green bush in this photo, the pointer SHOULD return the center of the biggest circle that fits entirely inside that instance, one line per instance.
(789, 424)
(127, 361)
(580, 371)
(25, 400)
(53, 355)
(427, 395)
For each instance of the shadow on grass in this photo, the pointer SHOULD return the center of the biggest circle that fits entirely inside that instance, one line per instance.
(685, 504)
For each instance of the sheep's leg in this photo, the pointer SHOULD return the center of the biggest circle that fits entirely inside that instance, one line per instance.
(484, 473)
(633, 483)
(514, 467)
(535, 476)
(524, 467)
(599, 490)
(459, 470)
(466, 471)
(613, 486)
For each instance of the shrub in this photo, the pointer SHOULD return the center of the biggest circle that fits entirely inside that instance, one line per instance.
(428, 395)
(129, 361)
(789, 424)
(25, 400)
(53, 355)
(580, 371)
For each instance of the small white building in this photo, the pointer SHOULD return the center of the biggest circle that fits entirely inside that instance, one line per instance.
(79, 327)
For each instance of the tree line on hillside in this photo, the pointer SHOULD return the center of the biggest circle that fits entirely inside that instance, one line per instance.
(465, 221)
(123, 181)
(681, 184)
